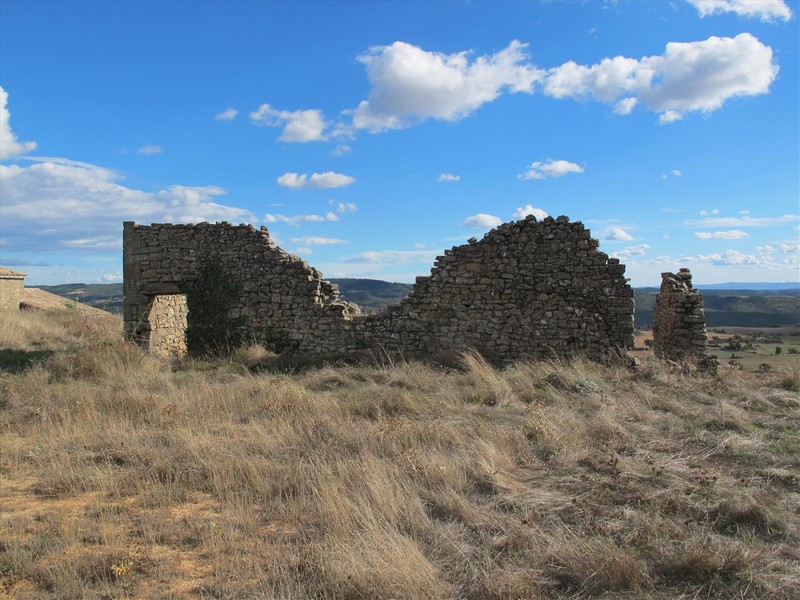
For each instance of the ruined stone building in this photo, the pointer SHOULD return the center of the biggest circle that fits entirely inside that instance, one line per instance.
(12, 288)
(527, 289)
(679, 322)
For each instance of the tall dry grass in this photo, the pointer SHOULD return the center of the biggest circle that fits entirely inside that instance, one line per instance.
(122, 476)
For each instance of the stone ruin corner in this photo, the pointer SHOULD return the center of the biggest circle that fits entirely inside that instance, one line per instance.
(679, 323)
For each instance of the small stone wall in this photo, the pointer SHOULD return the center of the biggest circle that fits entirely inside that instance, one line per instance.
(12, 289)
(679, 321)
(528, 289)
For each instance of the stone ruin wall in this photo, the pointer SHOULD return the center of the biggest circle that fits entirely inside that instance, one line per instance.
(679, 321)
(528, 289)
(12, 289)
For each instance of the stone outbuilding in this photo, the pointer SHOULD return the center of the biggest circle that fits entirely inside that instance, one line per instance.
(12, 286)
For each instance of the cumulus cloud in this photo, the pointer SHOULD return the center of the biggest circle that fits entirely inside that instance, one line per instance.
(676, 173)
(482, 221)
(150, 150)
(9, 146)
(713, 211)
(632, 251)
(314, 240)
(766, 10)
(524, 211)
(298, 125)
(226, 115)
(733, 234)
(62, 203)
(316, 180)
(689, 76)
(619, 235)
(448, 178)
(410, 85)
(299, 219)
(550, 168)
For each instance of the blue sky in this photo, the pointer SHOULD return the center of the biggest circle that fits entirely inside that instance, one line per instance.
(370, 136)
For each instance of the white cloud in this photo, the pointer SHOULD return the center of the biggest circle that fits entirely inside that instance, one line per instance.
(411, 85)
(752, 265)
(744, 221)
(733, 234)
(730, 257)
(550, 168)
(298, 219)
(482, 221)
(341, 150)
(226, 115)
(766, 10)
(419, 246)
(744, 212)
(394, 256)
(9, 146)
(62, 203)
(524, 211)
(302, 251)
(713, 211)
(298, 125)
(619, 235)
(313, 240)
(317, 180)
(789, 248)
(689, 76)
(625, 106)
(344, 207)
(669, 116)
(448, 178)
(632, 251)
(676, 173)
(150, 150)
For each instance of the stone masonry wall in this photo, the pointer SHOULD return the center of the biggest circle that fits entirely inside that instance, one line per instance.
(527, 289)
(679, 322)
(167, 321)
(12, 289)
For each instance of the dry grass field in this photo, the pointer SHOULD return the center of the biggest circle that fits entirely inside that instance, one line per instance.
(123, 476)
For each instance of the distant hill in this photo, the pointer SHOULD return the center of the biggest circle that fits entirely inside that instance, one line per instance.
(745, 308)
(735, 305)
(786, 286)
(372, 294)
(106, 296)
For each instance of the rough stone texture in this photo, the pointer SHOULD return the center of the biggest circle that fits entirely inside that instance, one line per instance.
(679, 321)
(12, 287)
(167, 321)
(527, 289)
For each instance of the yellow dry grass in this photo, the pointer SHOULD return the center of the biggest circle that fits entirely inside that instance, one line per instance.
(122, 476)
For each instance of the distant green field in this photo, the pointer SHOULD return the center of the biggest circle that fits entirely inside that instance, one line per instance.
(778, 348)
